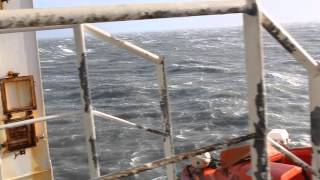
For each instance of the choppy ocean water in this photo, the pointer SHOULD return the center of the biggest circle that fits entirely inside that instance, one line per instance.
(207, 89)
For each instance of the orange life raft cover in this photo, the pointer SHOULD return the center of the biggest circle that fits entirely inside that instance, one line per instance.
(235, 165)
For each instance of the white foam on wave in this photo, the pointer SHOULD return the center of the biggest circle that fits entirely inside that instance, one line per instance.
(41, 50)
(90, 50)
(150, 41)
(198, 40)
(135, 160)
(160, 178)
(47, 61)
(293, 80)
(66, 51)
(304, 140)
(188, 83)
(205, 46)
(180, 136)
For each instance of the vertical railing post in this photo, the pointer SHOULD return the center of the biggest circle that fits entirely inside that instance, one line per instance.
(314, 94)
(256, 91)
(88, 121)
(166, 118)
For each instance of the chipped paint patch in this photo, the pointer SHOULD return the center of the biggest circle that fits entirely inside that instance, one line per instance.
(315, 124)
(95, 157)
(259, 143)
(84, 82)
(69, 16)
(276, 33)
(253, 11)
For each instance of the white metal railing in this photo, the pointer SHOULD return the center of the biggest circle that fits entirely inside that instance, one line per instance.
(256, 92)
(27, 18)
(313, 69)
(122, 121)
(88, 120)
(105, 36)
(38, 120)
(162, 84)
(253, 15)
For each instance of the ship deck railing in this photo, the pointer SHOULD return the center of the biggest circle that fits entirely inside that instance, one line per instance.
(254, 18)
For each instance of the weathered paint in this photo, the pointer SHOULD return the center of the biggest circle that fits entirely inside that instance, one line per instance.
(259, 142)
(38, 120)
(259, 123)
(164, 100)
(253, 10)
(93, 14)
(315, 138)
(32, 105)
(315, 123)
(28, 29)
(177, 158)
(95, 157)
(88, 119)
(84, 82)
(288, 42)
(166, 117)
(107, 37)
(119, 120)
(312, 66)
(314, 98)
(275, 32)
(154, 131)
(256, 93)
(23, 58)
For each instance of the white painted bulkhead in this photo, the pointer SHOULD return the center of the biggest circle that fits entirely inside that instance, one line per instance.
(19, 53)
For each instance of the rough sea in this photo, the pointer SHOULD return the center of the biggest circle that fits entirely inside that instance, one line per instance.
(207, 89)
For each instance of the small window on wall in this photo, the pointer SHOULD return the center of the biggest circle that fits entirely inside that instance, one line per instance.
(18, 101)
(18, 94)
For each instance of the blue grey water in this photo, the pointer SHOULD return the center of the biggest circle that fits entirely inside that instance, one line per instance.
(207, 89)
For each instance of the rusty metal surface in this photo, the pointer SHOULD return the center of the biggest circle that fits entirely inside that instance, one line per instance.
(166, 117)
(256, 91)
(177, 158)
(65, 16)
(88, 119)
(20, 138)
(312, 66)
(17, 80)
(260, 127)
(315, 140)
(130, 47)
(116, 119)
(289, 43)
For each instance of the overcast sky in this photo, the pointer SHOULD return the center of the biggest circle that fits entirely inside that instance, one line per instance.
(284, 11)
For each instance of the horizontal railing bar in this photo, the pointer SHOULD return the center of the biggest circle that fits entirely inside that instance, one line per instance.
(290, 44)
(23, 18)
(107, 37)
(116, 119)
(28, 29)
(293, 157)
(177, 158)
(37, 120)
